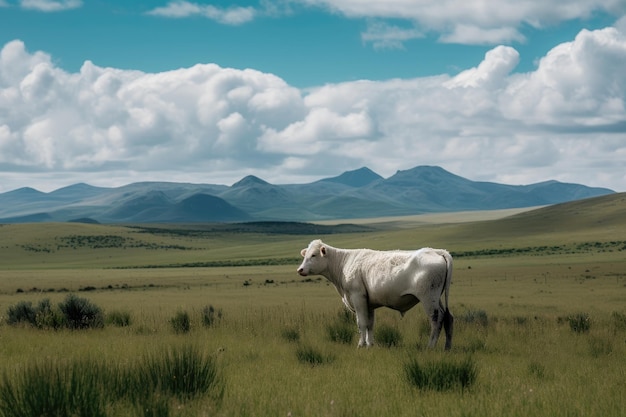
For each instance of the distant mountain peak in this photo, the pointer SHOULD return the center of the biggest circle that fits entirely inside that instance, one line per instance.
(248, 181)
(356, 178)
(25, 191)
(353, 194)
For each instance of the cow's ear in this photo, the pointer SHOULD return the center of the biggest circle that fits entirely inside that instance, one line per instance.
(323, 250)
(303, 252)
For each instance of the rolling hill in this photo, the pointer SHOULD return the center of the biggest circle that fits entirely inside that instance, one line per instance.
(354, 194)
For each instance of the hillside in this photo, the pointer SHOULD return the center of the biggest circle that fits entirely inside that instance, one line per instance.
(354, 194)
(597, 225)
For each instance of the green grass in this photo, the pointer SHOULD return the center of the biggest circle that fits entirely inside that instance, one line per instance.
(99, 388)
(441, 375)
(270, 343)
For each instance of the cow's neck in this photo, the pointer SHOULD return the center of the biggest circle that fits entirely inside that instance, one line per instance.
(334, 273)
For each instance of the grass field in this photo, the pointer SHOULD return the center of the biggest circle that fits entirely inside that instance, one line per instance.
(539, 299)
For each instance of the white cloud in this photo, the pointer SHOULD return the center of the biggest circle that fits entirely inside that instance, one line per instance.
(566, 120)
(492, 72)
(51, 5)
(477, 35)
(180, 8)
(579, 83)
(385, 36)
(473, 21)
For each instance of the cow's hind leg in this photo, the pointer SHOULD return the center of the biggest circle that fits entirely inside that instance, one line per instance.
(436, 315)
(448, 325)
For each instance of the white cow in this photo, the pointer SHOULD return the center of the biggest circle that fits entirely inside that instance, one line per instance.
(367, 279)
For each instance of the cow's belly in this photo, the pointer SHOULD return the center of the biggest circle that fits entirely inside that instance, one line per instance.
(401, 303)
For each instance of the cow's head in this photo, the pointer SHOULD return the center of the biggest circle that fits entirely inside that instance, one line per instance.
(315, 259)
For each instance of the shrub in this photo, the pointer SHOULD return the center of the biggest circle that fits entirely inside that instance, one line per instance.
(537, 370)
(91, 387)
(474, 345)
(80, 313)
(291, 335)
(210, 316)
(619, 319)
(441, 376)
(181, 322)
(340, 333)
(119, 318)
(600, 346)
(310, 356)
(22, 312)
(46, 317)
(48, 389)
(476, 316)
(388, 336)
(345, 316)
(342, 329)
(579, 322)
(181, 372)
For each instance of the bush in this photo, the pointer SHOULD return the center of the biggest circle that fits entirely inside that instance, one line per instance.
(181, 322)
(92, 387)
(600, 346)
(342, 330)
(579, 323)
(441, 376)
(619, 319)
(47, 389)
(291, 335)
(22, 312)
(310, 356)
(537, 370)
(388, 336)
(477, 317)
(80, 313)
(181, 372)
(210, 316)
(119, 318)
(340, 333)
(345, 316)
(46, 317)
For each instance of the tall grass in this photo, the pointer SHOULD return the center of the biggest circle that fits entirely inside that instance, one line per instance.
(85, 387)
(181, 322)
(343, 328)
(182, 373)
(441, 375)
(54, 389)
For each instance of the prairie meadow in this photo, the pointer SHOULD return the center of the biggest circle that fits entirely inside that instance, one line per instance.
(198, 321)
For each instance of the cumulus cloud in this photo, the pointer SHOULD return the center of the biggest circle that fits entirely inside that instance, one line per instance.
(180, 8)
(473, 21)
(385, 36)
(51, 5)
(566, 120)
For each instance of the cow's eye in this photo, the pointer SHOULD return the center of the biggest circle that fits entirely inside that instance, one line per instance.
(313, 256)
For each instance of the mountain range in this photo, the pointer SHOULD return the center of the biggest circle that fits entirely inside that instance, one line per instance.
(361, 193)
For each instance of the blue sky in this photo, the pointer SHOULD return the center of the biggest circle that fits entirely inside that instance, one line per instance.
(306, 45)
(294, 90)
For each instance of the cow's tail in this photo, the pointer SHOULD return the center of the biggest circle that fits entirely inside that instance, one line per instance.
(446, 286)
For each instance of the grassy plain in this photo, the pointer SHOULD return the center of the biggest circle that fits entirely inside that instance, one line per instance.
(517, 283)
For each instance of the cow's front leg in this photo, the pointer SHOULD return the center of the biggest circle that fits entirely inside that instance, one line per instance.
(369, 338)
(363, 320)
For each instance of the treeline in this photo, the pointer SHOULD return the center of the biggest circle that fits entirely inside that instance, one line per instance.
(220, 263)
(584, 247)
